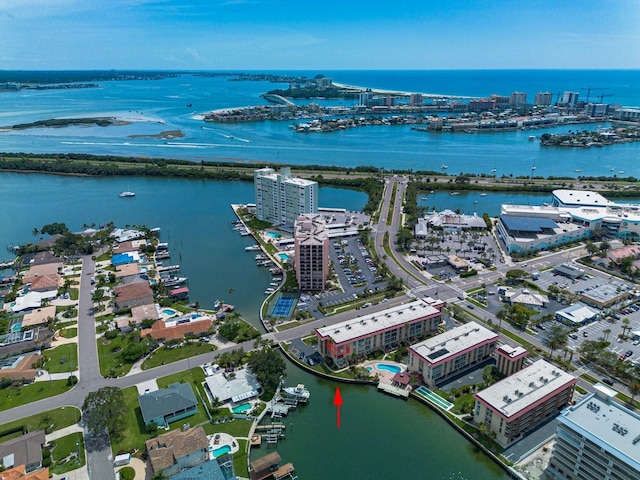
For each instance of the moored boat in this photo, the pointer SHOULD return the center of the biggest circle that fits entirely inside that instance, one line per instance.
(299, 392)
(126, 194)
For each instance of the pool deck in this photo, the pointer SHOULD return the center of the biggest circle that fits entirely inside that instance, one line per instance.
(218, 440)
(385, 378)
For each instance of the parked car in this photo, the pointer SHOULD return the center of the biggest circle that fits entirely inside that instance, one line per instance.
(607, 380)
(628, 353)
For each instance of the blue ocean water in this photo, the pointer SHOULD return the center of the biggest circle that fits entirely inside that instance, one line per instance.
(153, 106)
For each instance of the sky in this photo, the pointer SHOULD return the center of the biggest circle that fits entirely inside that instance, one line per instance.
(327, 34)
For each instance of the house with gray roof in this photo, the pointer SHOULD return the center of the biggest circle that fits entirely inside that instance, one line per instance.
(23, 450)
(167, 405)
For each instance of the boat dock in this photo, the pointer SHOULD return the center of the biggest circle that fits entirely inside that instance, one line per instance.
(168, 268)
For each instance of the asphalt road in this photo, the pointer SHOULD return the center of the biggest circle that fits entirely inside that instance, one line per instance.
(99, 454)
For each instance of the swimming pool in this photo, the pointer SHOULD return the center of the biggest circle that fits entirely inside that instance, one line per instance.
(388, 368)
(221, 451)
(168, 311)
(242, 408)
(284, 257)
(273, 234)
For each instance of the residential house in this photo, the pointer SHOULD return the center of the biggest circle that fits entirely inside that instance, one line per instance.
(176, 450)
(23, 450)
(132, 295)
(167, 405)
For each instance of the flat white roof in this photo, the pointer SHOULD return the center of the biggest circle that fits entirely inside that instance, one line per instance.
(581, 197)
(577, 313)
(521, 390)
(449, 344)
(374, 322)
(512, 352)
(608, 424)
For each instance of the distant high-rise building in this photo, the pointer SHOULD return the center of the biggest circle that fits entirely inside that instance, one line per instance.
(569, 99)
(543, 99)
(311, 240)
(597, 439)
(324, 82)
(281, 198)
(501, 101)
(518, 99)
(415, 99)
(365, 98)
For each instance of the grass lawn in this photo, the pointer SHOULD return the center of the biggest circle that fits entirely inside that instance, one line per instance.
(62, 359)
(196, 374)
(65, 448)
(104, 257)
(15, 397)
(108, 355)
(58, 418)
(163, 355)
(135, 433)
(236, 428)
(69, 332)
(240, 460)
(73, 294)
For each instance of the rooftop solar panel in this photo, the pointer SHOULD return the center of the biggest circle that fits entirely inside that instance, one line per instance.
(527, 224)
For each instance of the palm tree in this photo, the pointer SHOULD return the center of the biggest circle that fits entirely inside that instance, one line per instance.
(606, 332)
(625, 326)
(634, 389)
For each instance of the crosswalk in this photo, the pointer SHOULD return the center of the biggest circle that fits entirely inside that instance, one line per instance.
(436, 286)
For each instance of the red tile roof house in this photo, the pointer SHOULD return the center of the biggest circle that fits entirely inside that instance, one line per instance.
(133, 295)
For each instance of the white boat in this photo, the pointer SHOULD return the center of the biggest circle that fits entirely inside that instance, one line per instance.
(532, 137)
(423, 198)
(577, 170)
(483, 194)
(444, 167)
(252, 248)
(475, 201)
(126, 194)
(454, 193)
(296, 393)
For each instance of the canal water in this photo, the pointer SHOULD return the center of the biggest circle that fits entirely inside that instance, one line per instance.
(380, 437)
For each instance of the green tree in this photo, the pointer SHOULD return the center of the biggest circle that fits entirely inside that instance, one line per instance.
(105, 409)
(556, 338)
(634, 389)
(268, 366)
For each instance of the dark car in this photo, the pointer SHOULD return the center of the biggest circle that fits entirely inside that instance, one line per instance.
(628, 353)
(607, 380)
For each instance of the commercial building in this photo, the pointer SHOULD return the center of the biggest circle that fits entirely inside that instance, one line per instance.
(281, 198)
(596, 439)
(356, 338)
(568, 270)
(606, 294)
(448, 220)
(572, 216)
(576, 315)
(311, 239)
(450, 353)
(517, 404)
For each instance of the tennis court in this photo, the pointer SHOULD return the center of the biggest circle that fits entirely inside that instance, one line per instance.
(283, 307)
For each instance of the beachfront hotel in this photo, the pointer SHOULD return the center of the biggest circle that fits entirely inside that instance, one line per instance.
(596, 439)
(354, 339)
(311, 239)
(281, 198)
(517, 404)
(452, 352)
(572, 216)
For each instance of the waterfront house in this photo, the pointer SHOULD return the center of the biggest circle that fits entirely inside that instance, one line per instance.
(20, 367)
(452, 352)
(356, 338)
(167, 405)
(23, 450)
(517, 404)
(176, 450)
(132, 295)
(42, 283)
(234, 387)
(39, 316)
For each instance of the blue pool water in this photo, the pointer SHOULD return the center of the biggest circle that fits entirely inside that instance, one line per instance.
(274, 234)
(168, 311)
(284, 256)
(242, 408)
(221, 451)
(388, 368)
(369, 368)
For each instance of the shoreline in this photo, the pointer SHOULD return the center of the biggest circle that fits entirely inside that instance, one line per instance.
(395, 92)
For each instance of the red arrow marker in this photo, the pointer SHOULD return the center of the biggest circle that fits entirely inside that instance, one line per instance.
(337, 401)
